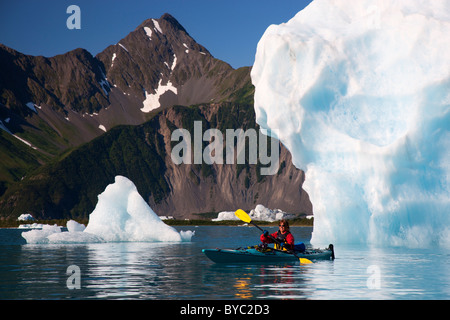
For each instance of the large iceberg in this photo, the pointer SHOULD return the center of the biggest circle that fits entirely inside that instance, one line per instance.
(359, 92)
(121, 214)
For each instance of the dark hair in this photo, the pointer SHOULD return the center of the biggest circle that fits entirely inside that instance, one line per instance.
(285, 223)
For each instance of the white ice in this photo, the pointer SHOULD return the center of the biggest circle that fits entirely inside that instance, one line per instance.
(121, 215)
(360, 94)
(260, 213)
(25, 217)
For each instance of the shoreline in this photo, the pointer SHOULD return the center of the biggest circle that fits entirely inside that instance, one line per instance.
(171, 222)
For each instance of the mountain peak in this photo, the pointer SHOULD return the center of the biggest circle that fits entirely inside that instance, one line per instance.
(166, 20)
(174, 22)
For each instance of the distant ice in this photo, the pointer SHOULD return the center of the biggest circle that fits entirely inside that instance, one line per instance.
(25, 217)
(260, 213)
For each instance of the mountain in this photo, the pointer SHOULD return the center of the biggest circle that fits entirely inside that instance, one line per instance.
(70, 123)
(60, 102)
(158, 64)
(69, 187)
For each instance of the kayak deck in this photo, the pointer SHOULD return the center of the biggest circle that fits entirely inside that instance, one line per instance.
(259, 255)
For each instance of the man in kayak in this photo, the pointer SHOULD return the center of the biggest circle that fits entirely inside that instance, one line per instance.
(282, 236)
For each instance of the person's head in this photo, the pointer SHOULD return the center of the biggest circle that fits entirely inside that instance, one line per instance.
(283, 225)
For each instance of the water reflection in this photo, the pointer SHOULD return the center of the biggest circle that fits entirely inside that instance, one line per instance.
(242, 287)
(181, 271)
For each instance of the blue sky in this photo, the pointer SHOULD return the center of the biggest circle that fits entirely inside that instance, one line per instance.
(229, 29)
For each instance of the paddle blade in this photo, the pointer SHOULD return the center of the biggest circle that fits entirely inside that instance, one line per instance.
(241, 214)
(305, 261)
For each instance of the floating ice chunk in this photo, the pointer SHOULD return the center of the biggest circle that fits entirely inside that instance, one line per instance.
(360, 94)
(44, 233)
(73, 226)
(73, 237)
(122, 214)
(41, 236)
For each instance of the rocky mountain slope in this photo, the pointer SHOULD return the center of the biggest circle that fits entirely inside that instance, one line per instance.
(69, 187)
(60, 102)
(54, 112)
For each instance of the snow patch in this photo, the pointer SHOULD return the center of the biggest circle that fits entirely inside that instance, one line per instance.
(113, 58)
(174, 63)
(148, 31)
(157, 26)
(123, 47)
(151, 101)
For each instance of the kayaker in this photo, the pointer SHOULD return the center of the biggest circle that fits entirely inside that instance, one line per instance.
(283, 236)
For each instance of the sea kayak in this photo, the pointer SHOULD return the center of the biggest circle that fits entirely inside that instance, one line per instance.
(258, 254)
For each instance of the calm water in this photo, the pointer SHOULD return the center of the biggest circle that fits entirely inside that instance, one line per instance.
(181, 271)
